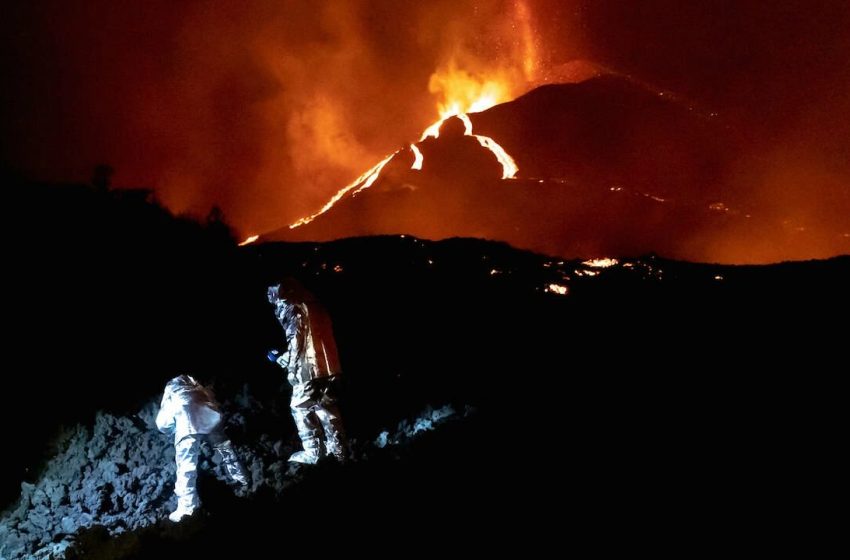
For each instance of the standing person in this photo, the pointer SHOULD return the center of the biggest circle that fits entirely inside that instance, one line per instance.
(190, 412)
(312, 366)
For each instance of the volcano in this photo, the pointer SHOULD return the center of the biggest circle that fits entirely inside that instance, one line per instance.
(605, 166)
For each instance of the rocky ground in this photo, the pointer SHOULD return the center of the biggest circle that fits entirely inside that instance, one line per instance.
(624, 402)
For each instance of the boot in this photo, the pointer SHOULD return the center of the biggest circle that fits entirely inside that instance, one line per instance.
(311, 453)
(336, 448)
(310, 432)
(336, 444)
(186, 453)
(178, 514)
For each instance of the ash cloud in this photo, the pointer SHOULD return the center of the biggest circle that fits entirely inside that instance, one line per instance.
(262, 108)
(266, 109)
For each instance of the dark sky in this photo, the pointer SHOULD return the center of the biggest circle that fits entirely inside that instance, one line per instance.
(266, 108)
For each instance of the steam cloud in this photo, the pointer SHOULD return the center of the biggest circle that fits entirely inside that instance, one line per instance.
(266, 108)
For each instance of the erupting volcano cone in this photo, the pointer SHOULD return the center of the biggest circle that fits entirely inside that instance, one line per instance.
(605, 166)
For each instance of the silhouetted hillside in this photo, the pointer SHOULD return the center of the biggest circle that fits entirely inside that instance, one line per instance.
(611, 131)
(111, 295)
(628, 395)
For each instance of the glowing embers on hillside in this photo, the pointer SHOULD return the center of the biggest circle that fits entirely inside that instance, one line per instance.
(600, 263)
(558, 289)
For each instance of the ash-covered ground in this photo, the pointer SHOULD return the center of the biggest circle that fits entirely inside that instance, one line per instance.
(494, 397)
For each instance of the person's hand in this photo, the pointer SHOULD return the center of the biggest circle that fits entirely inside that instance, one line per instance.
(279, 358)
(168, 430)
(313, 390)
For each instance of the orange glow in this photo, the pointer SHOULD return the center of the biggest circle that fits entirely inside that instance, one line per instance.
(418, 159)
(363, 182)
(529, 47)
(489, 96)
(249, 240)
(600, 263)
(373, 176)
(462, 93)
(509, 166)
(266, 109)
(467, 124)
(466, 82)
(557, 289)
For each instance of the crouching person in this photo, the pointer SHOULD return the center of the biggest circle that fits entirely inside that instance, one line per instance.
(190, 412)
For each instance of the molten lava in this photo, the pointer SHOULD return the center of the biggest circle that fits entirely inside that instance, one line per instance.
(509, 166)
(418, 159)
(363, 182)
(559, 289)
(470, 95)
(600, 263)
(472, 85)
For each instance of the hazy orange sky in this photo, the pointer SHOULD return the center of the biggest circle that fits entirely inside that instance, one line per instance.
(266, 108)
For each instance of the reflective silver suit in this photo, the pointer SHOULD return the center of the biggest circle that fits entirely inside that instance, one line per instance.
(190, 412)
(312, 364)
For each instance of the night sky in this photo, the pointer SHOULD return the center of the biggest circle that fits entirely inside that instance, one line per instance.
(266, 108)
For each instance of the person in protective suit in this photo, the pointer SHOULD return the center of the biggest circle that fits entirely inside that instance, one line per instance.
(312, 367)
(190, 412)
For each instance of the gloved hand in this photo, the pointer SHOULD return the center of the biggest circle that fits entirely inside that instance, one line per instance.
(313, 390)
(168, 430)
(278, 357)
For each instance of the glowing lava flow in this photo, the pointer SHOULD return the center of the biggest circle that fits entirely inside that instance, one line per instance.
(417, 162)
(509, 166)
(600, 263)
(474, 86)
(363, 182)
(476, 96)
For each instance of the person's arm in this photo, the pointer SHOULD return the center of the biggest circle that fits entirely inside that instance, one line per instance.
(293, 322)
(165, 421)
(296, 333)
